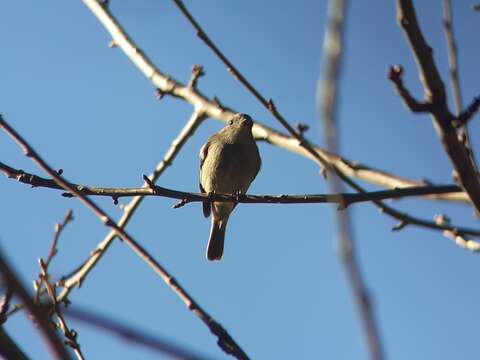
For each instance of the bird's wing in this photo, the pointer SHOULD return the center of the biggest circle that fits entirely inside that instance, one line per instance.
(206, 206)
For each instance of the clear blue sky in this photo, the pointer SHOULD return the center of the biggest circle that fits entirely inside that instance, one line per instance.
(279, 290)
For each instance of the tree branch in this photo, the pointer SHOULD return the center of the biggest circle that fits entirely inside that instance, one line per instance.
(129, 334)
(395, 76)
(45, 327)
(43, 283)
(342, 199)
(327, 94)
(225, 342)
(153, 190)
(462, 116)
(435, 95)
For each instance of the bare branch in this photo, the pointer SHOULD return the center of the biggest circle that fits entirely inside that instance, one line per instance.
(395, 75)
(435, 95)
(452, 55)
(426, 191)
(225, 342)
(462, 117)
(43, 283)
(69, 334)
(460, 239)
(197, 72)
(9, 349)
(45, 327)
(58, 231)
(153, 190)
(327, 102)
(343, 199)
(129, 334)
(469, 112)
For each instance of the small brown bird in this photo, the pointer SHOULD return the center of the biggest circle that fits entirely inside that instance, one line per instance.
(229, 161)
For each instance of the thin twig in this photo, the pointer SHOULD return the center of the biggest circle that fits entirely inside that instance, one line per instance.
(328, 94)
(462, 116)
(44, 325)
(43, 282)
(412, 104)
(58, 231)
(225, 341)
(69, 334)
(130, 334)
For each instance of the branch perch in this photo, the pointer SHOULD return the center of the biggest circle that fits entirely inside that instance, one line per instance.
(153, 190)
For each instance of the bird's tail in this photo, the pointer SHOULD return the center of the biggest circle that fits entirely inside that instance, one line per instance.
(216, 240)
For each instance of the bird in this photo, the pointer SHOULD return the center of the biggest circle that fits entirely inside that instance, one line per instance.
(229, 162)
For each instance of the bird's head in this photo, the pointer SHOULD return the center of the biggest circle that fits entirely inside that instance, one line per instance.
(241, 120)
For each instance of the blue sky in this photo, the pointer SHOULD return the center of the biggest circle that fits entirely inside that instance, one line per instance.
(280, 290)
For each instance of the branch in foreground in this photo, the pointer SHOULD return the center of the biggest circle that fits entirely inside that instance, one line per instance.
(225, 341)
(435, 95)
(45, 327)
(129, 334)
(211, 108)
(327, 94)
(9, 349)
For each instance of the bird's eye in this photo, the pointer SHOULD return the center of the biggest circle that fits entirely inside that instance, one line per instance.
(230, 122)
